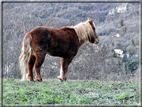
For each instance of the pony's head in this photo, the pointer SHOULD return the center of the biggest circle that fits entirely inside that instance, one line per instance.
(93, 38)
(86, 32)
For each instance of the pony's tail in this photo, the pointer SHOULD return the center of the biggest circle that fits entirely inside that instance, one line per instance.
(23, 58)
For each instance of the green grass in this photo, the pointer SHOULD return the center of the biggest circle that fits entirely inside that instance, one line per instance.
(70, 93)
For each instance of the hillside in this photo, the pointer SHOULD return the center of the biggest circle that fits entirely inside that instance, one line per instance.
(96, 62)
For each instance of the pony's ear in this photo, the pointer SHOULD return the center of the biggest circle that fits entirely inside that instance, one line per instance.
(91, 22)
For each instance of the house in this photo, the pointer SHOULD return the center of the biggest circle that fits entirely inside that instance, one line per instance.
(119, 53)
(117, 35)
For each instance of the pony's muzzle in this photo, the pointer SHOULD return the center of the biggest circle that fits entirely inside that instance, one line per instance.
(96, 41)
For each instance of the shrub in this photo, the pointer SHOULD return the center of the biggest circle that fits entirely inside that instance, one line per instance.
(130, 50)
(114, 54)
(122, 22)
(133, 42)
(125, 58)
(133, 65)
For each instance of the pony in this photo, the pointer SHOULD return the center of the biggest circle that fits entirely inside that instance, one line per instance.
(64, 42)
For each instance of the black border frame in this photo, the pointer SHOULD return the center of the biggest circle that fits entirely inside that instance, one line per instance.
(72, 1)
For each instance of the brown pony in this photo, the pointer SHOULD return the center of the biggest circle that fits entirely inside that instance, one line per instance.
(64, 43)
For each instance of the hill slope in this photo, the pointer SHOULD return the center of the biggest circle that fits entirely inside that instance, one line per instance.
(92, 61)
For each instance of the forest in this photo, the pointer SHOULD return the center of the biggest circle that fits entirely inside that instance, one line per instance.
(117, 25)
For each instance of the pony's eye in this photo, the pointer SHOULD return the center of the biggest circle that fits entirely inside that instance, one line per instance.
(94, 29)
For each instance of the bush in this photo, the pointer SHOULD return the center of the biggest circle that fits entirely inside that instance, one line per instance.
(130, 50)
(133, 42)
(122, 22)
(114, 54)
(125, 58)
(132, 65)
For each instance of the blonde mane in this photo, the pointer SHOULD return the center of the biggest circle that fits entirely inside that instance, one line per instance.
(84, 31)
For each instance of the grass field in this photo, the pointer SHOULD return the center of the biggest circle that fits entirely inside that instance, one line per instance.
(71, 92)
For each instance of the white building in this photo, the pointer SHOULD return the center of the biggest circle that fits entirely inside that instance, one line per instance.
(119, 52)
(117, 35)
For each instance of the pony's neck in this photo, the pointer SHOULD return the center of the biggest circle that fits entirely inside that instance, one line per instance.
(82, 41)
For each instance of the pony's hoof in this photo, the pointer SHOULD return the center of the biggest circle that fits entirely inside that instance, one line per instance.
(30, 78)
(22, 79)
(39, 80)
(65, 78)
(61, 80)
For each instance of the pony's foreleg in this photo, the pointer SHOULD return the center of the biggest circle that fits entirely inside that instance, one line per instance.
(40, 56)
(62, 75)
(31, 63)
(64, 68)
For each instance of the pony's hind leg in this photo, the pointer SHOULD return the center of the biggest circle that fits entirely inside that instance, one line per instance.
(31, 63)
(40, 56)
(64, 68)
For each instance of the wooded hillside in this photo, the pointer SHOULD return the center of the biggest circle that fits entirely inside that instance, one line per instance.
(117, 25)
